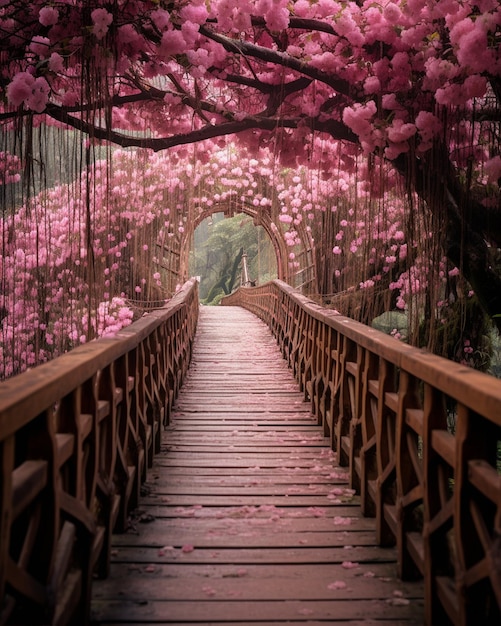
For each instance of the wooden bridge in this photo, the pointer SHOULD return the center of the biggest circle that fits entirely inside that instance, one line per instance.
(356, 480)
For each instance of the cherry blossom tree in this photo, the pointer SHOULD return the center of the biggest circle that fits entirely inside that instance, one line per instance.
(358, 91)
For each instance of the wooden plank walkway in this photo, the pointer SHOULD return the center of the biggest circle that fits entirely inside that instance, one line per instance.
(247, 519)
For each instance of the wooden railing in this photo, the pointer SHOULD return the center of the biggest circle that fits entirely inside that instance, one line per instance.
(77, 436)
(421, 436)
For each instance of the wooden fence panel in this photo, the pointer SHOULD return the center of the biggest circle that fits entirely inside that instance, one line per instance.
(76, 438)
(421, 437)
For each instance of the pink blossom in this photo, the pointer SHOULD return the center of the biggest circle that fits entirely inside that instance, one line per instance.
(399, 131)
(189, 31)
(195, 13)
(161, 19)
(10, 166)
(428, 125)
(392, 13)
(347, 27)
(450, 94)
(101, 20)
(40, 46)
(302, 8)
(473, 50)
(277, 17)
(128, 36)
(390, 102)
(56, 62)
(172, 43)
(20, 88)
(358, 117)
(48, 16)
(438, 71)
(372, 84)
(475, 86)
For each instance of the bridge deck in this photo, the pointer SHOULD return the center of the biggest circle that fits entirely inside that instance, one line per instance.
(246, 516)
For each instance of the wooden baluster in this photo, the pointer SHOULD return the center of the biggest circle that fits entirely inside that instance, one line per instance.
(88, 442)
(156, 408)
(6, 518)
(386, 435)
(368, 451)
(354, 370)
(169, 371)
(76, 546)
(107, 495)
(343, 408)
(326, 365)
(310, 359)
(162, 385)
(477, 519)
(409, 479)
(286, 331)
(303, 347)
(149, 399)
(128, 468)
(439, 557)
(319, 380)
(35, 521)
(334, 385)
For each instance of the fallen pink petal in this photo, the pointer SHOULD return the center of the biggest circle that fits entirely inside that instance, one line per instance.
(338, 584)
(350, 565)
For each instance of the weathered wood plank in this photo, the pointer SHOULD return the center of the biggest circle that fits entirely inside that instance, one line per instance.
(281, 611)
(227, 581)
(246, 516)
(284, 556)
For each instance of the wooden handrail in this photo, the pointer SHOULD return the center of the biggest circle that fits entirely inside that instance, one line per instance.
(421, 437)
(77, 436)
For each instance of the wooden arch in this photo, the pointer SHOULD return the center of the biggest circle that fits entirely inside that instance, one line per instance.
(175, 250)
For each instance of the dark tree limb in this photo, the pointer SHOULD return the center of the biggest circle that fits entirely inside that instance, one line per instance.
(465, 244)
(334, 128)
(248, 49)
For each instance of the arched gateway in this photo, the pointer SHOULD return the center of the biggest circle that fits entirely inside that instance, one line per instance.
(295, 264)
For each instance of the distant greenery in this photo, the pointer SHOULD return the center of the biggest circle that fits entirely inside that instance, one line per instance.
(219, 245)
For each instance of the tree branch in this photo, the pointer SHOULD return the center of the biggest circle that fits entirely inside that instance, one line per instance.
(248, 49)
(301, 23)
(332, 127)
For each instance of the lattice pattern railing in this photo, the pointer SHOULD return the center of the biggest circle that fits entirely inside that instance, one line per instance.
(76, 438)
(421, 436)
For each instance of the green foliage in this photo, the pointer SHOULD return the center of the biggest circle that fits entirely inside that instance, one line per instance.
(219, 244)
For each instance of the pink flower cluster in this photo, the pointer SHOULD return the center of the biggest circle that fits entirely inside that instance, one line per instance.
(10, 168)
(28, 90)
(101, 20)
